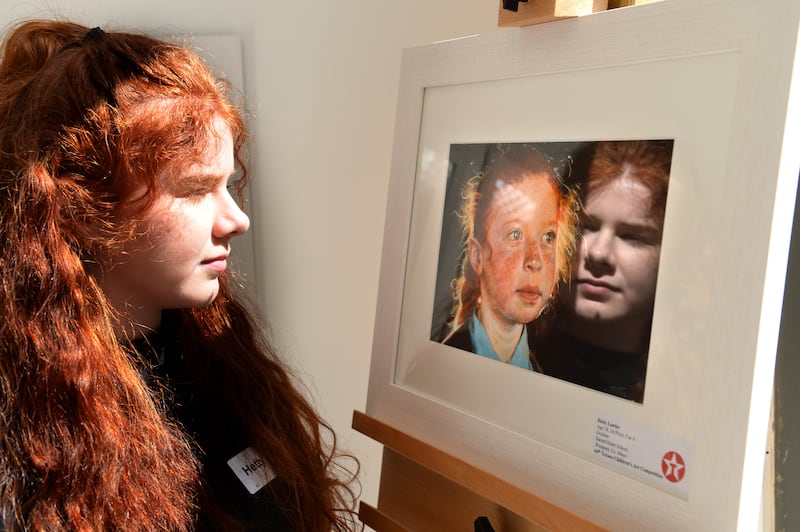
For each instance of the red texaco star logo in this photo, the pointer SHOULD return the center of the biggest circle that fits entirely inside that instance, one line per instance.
(673, 466)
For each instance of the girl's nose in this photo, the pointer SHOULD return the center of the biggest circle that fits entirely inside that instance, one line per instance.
(232, 221)
(533, 256)
(599, 248)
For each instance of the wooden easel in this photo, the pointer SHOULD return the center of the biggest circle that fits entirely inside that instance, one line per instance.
(424, 488)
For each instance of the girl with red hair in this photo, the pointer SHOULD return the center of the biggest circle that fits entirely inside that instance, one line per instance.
(136, 392)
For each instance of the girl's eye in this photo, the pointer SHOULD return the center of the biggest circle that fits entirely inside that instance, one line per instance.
(191, 189)
(588, 224)
(640, 239)
(549, 237)
(194, 194)
(516, 234)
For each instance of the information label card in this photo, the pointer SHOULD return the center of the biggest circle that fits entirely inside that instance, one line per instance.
(660, 458)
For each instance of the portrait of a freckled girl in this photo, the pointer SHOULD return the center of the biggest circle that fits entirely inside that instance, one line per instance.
(508, 232)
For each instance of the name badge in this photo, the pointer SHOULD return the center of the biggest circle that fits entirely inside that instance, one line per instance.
(251, 470)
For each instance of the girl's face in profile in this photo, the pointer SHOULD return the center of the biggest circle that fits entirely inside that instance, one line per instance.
(516, 260)
(183, 241)
(617, 259)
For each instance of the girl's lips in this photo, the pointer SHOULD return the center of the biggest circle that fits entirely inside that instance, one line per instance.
(595, 288)
(529, 294)
(218, 264)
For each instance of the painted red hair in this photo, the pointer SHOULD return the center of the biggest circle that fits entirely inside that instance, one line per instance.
(86, 118)
(646, 161)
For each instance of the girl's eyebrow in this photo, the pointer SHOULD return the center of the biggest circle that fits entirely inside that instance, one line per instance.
(210, 175)
(639, 228)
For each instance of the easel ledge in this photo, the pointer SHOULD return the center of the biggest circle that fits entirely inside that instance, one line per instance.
(425, 488)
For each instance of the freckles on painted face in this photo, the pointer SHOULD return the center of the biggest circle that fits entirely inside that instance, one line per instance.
(516, 261)
(184, 240)
(618, 254)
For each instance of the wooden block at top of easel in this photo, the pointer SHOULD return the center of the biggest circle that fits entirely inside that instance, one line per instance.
(538, 11)
(613, 4)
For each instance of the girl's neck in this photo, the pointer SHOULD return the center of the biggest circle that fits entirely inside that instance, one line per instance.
(132, 319)
(503, 336)
(129, 329)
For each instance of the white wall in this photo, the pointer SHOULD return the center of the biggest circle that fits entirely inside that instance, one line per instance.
(321, 81)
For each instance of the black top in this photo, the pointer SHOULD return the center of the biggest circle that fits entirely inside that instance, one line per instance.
(218, 437)
(613, 372)
(461, 339)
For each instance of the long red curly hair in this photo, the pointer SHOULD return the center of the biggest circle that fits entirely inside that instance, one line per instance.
(87, 117)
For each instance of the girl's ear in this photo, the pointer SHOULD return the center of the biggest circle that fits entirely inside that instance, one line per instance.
(474, 250)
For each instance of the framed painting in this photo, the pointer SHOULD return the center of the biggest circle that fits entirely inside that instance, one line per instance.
(687, 452)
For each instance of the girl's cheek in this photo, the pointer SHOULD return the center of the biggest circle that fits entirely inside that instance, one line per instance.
(549, 260)
(511, 262)
(549, 267)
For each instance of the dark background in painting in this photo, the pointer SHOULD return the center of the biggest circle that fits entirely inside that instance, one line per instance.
(570, 161)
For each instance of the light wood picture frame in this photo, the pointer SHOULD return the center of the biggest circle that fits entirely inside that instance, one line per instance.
(717, 78)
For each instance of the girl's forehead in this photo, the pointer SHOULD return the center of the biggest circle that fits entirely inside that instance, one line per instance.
(535, 199)
(623, 189)
(538, 187)
(626, 200)
(212, 156)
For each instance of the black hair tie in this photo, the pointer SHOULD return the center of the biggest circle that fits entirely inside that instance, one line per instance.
(94, 34)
